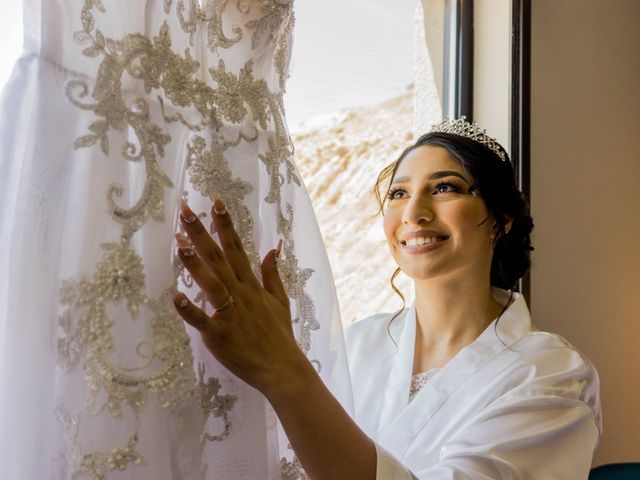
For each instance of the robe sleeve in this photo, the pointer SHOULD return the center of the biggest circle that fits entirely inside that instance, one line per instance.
(516, 437)
(388, 468)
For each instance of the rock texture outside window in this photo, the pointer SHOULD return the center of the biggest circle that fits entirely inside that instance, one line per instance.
(339, 159)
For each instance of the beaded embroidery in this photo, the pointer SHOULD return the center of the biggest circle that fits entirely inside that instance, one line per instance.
(97, 464)
(292, 470)
(166, 370)
(197, 14)
(214, 404)
(167, 367)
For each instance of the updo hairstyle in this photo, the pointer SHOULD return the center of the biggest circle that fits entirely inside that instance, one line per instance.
(494, 181)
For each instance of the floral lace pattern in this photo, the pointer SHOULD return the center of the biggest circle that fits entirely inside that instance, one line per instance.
(232, 109)
(97, 464)
(213, 403)
(419, 380)
(292, 470)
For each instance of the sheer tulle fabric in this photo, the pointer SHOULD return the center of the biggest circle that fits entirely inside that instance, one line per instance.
(116, 111)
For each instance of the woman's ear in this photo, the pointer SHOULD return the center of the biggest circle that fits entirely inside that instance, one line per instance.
(500, 232)
(507, 226)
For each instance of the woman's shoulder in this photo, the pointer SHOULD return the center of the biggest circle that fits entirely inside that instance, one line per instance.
(372, 321)
(541, 357)
(541, 348)
(377, 323)
(375, 332)
(546, 364)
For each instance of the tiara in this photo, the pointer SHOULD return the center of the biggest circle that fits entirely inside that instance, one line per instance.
(470, 130)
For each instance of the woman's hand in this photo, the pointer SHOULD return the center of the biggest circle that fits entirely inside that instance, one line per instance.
(250, 332)
(251, 335)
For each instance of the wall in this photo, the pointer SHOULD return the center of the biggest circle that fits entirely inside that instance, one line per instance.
(586, 196)
(492, 67)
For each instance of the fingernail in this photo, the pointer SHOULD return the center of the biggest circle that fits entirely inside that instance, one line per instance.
(278, 251)
(183, 240)
(187, 251)
(218, 207)
(178, 298)
(181, 300)
(215, 200)
(187, 214)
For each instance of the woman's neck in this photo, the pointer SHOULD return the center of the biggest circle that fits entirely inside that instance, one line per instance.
(450, 315)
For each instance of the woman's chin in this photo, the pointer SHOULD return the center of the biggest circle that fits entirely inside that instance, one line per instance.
(422, 273)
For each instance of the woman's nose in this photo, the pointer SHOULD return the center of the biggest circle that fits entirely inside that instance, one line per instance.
(418, 210)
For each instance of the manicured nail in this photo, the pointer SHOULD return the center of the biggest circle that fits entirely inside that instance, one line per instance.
(179, 298)
(218, 204)
(187, 251)
(183, 240)
(187, 214)
(276, 255)
(218, 207)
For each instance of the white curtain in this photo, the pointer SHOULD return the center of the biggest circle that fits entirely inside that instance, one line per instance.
(117, 110)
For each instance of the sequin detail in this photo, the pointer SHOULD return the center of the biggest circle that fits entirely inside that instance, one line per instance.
(97, 464)
(292, 470)
(214, 404)
(419, 380)
(86, 326)
(210, 173)
(191, 14)
(165, 369)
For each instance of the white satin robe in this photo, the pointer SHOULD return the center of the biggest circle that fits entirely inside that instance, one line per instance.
(527, 408)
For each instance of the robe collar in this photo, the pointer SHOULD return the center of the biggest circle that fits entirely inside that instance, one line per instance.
(400, 420)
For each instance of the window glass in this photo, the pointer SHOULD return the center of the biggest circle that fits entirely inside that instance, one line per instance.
(10, 37)
(350, 102)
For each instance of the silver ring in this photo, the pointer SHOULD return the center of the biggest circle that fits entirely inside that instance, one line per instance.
(227, 303)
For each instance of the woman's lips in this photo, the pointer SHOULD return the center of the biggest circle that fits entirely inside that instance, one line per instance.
(418, 249)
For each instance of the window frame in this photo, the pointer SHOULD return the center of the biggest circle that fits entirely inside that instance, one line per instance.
(458, 83)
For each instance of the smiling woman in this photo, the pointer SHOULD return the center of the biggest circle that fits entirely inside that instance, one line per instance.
(109, 132)
(430, 187)
(485, 175)
(460, 384)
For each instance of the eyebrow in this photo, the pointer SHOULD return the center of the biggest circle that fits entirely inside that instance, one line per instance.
(434, 176)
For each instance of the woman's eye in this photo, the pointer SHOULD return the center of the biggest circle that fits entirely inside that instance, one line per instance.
(446, 188)
(394, 194)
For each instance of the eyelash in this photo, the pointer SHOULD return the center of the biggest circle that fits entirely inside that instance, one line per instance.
(453, 188)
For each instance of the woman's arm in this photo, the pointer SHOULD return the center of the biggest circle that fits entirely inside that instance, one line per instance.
(326, 440)
(252, 337)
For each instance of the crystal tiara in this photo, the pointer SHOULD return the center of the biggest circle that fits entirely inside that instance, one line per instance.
(463, 128)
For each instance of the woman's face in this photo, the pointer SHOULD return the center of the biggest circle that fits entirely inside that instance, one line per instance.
(435, 226)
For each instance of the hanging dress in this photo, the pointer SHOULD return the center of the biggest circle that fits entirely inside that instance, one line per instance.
(115, 112)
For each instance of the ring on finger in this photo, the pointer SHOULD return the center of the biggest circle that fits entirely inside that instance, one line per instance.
(229, 301)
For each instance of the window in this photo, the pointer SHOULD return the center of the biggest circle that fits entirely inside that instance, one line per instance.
(10, 37)
(351, 113)
(350, 107)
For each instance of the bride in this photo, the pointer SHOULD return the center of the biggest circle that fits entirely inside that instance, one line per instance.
(458, 385)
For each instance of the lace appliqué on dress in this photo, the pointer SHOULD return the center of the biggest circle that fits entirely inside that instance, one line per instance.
(419, 380)
(97, 464)
(213, 403)
(292, 470)
(166, 369)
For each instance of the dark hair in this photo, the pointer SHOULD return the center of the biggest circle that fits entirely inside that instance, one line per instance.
(494, 180)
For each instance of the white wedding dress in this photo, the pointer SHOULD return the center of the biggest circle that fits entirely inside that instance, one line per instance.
(117, 110)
